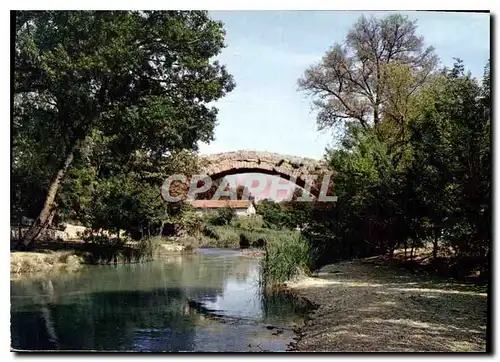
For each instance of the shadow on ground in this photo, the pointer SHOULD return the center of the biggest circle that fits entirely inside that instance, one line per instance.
(364, 307)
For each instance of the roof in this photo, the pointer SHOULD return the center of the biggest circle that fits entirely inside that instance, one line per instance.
(234, 204)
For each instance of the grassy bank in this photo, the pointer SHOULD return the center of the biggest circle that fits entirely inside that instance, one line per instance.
(42, 262)
(51, 256)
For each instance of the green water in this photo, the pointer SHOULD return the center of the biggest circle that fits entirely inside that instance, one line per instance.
(208, 301)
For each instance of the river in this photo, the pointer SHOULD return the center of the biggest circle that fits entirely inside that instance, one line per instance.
(208, 301)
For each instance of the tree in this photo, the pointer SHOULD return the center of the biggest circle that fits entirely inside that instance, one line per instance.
(223, 216)
(142, 78)
(351, 83)
(441, 193)
(102, 194)
(452, 143)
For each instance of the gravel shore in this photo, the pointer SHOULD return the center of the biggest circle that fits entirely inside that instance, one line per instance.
(364, 307)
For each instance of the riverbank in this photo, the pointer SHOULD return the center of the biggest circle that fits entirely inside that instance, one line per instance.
(364, 307)
(41, 262)
(62, 256)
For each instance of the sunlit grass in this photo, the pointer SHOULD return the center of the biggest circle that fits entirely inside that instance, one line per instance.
(287, 255)
(33, 262)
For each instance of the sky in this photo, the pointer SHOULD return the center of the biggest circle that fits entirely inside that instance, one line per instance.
(267, 51)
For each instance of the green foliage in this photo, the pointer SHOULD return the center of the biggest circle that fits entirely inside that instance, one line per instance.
(225, 236)
(222, 216)
(112, 251)
(271, 213)
(109, 90)
(285, 214)
(190, 223)
(287, 254)
(425, 180)
(89, 64)
(210, 232)
(229, 236)
(250, 222)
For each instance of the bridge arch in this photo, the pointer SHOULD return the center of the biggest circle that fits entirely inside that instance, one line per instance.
(294, 169)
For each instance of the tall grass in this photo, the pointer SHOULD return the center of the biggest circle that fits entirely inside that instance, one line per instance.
(287, 255)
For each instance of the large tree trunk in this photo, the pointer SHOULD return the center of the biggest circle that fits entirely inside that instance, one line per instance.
(44, 217)
(51, 217)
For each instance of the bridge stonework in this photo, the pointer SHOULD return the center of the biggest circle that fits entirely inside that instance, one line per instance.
(292, 168)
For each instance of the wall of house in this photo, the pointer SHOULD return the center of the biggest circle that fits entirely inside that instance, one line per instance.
(241, 212)
(251, 210)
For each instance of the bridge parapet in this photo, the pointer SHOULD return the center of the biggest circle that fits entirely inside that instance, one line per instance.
(244, 161)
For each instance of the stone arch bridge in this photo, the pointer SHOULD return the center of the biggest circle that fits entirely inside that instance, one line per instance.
(294, 169)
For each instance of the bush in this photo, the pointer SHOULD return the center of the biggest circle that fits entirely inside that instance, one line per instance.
(222, 216)
(210, 232)
(249, 222)
(287, 254)
(220, 237)
(191, 223)
(229, 236)
(114, 252)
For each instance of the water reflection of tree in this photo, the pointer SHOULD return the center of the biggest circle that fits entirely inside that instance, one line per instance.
(111, 321)
(131, 307)
(41, 323)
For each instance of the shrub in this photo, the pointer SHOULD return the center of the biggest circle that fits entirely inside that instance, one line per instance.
(191, 223)
(220, 237)
(117, 252)
(249, 222)
(228, 237)
(222, 216)
(210, 232)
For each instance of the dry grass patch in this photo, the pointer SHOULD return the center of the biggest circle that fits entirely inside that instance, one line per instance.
(36, 262)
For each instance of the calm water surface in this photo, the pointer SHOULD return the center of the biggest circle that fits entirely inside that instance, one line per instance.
(208, 301)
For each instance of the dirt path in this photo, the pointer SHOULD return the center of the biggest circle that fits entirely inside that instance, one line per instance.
(365, 307)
